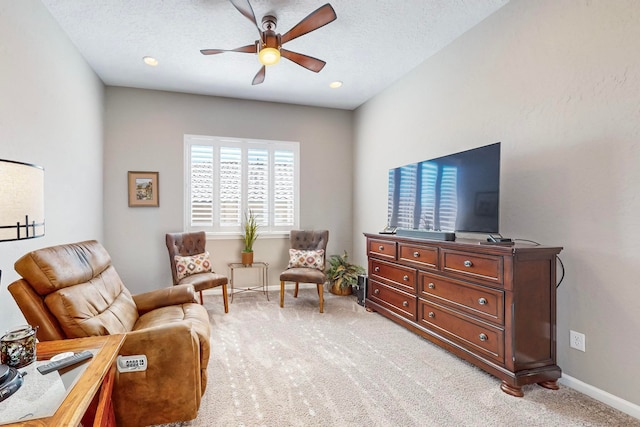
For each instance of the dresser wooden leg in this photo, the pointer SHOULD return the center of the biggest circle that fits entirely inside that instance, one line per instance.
(551, 385)
(511, 389)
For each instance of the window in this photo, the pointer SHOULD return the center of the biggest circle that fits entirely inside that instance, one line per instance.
(225, 177)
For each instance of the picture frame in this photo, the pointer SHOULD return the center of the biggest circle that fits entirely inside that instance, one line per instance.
(144, 189)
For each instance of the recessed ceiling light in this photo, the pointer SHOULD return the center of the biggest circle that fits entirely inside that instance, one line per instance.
(150, 61)
(335, 85)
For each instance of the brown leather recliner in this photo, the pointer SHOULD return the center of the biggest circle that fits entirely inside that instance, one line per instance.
(73, 290)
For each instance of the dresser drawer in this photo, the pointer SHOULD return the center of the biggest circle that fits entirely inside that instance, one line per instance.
(480, 301)
(381, 249)
(394, 275)
(422, 256)
(393, 299)
(476, 266)
(476, 336)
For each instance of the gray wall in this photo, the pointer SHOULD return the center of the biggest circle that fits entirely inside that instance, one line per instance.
(51, 111)
(557, 82)
(145, 130)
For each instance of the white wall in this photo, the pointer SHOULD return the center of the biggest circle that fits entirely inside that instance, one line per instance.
(145, 132)
(557, 82)
(51, 109)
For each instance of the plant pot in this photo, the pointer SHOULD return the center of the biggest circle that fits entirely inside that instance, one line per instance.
(247, 258)
(336, 289)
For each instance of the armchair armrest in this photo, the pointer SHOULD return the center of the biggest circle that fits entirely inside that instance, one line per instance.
(179, 294)
(170, 388)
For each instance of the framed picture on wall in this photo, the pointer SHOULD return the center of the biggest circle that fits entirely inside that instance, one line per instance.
(143, 189)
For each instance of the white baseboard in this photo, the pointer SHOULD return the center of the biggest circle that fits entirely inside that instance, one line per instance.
(601, 395)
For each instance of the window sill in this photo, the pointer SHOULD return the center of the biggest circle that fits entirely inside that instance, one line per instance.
(238, 236)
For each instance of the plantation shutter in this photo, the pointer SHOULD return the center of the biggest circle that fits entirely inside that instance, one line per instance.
(201, 186)
(230, 209)
(258, 184)
(284, 188)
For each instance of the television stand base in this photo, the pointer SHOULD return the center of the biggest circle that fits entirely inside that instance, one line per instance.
(448, 236)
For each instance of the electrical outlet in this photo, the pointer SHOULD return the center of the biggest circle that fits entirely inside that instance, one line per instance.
(577, 340)
(132, 363)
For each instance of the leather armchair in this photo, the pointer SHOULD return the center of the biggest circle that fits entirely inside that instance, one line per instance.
(73, 290)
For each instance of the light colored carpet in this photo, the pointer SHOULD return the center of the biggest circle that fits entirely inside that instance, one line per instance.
(349, 367)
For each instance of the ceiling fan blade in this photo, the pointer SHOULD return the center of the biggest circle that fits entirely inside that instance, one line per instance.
(250, 48)
(259, 78)
(244, 7)
(316, 19)
(308, 62)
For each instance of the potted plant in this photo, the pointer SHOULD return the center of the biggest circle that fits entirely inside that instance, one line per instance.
(342, 275)
(249, 237)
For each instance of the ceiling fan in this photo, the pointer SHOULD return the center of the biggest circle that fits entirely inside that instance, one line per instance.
(269, 46)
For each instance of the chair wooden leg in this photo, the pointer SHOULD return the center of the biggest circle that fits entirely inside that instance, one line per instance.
(225, 297)
(281, 293)
(321, 295)
(201, 302)
(295, 293)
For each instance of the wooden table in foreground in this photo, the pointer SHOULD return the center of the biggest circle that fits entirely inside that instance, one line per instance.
(89, 401)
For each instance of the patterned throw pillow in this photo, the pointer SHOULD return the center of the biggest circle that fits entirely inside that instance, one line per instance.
(306, 259)
(188, 265)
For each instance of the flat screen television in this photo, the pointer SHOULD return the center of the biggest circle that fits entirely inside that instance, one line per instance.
(457, 192)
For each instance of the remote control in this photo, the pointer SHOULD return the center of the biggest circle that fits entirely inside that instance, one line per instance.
(63, 363)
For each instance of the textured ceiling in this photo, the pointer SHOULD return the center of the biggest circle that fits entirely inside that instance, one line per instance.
(369, 46)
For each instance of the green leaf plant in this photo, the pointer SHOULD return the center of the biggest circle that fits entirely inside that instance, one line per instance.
(342, 272)
(250, 231)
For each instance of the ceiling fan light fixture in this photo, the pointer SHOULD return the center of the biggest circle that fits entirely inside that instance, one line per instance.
(149, 60)
(269, 56)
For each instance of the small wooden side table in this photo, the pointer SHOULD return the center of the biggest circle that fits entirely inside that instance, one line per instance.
(264, 279)
(89, 400)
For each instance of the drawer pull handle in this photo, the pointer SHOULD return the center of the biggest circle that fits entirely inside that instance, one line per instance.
(468, 263)
(376, 291)
(483, 337)
(416, 254)
(482, 301)
(405, 304)
(432, 314)
(431, 286)
(381, 248)
(405, 277)
(377, 269)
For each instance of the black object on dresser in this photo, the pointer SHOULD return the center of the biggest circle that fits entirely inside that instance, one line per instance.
(492, 305)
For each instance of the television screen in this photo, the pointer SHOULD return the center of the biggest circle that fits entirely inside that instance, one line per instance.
(458, 192)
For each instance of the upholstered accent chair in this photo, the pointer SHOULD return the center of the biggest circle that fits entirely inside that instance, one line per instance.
(183, 248)
(73, 291)
(306, 262)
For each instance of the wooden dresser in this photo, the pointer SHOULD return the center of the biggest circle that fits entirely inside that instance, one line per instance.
(492, 305)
